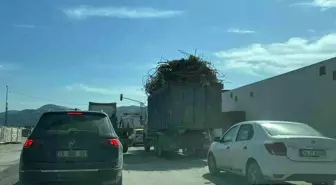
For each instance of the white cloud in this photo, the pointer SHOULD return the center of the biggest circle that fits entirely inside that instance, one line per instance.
(83, 12)
(276, 58)
(240, 31)
(5, 66)
(323, 4)
(311, 31)
(134, 90)
(29, 26)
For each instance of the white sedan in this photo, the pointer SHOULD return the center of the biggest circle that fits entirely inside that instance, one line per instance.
(274, 151)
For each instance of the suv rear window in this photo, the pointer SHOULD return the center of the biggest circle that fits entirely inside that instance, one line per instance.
(295, 129)
(63, 123)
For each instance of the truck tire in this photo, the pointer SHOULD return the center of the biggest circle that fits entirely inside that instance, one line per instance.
(125, 149)
(146, 143)
(158, 146)
(147, 148)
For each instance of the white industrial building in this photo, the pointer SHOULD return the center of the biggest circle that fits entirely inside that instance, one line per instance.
(306, 95)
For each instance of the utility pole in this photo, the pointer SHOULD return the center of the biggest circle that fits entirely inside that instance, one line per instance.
(6, 109)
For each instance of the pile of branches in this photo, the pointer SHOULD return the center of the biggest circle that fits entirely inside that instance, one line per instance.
(190, 69)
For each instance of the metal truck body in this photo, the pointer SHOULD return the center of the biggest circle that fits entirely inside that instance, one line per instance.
(179, 116)
(111, 110)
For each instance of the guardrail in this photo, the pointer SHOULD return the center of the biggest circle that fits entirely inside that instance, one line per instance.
(10, 135)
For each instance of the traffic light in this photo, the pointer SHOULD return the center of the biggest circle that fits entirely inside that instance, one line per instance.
(121, 97)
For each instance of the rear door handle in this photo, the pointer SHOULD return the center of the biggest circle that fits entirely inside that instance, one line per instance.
(245, 147)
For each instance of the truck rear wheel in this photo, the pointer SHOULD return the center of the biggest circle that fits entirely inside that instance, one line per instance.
(146, 143)
(125, 149)
(158, 146)
(147, 148)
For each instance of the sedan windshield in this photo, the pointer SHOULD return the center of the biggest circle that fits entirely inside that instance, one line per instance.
(298, 129)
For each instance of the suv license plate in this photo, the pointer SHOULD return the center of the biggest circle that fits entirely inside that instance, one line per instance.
(71, 153)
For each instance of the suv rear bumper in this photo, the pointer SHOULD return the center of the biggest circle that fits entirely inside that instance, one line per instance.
(81, 176)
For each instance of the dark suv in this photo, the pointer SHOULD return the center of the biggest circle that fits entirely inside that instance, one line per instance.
(72, 147)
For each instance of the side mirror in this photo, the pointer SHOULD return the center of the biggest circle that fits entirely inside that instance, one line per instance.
(216, 139)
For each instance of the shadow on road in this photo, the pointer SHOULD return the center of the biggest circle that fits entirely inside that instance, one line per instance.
(140, 160)
(230, 179)
(227, 178)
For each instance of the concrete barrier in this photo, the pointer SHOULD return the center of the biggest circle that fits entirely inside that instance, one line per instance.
(10, 134)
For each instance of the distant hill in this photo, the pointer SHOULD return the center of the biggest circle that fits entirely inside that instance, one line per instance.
(29, 117)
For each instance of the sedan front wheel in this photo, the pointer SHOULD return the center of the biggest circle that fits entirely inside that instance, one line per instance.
(254, 175)
(212, 165)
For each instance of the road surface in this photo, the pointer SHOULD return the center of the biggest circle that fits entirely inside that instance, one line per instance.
(143, 168)
(9, 158)
(9, 155)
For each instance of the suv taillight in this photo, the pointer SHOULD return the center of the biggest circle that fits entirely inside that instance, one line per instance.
(277, 148)
(114, 142)
(28, 143)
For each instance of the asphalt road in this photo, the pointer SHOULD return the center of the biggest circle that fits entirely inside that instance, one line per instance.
(9, 155)
(143, 168)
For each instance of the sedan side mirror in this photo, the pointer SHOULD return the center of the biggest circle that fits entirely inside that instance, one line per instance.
(216, 139)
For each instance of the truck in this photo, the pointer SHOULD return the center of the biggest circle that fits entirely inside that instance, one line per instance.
(132, 120)
(179, 116)
(111, 110)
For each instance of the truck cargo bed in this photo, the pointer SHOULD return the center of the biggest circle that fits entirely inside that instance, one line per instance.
(185, 106)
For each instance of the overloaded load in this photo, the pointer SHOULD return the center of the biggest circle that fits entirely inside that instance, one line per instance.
(192, 69)
(184, 93)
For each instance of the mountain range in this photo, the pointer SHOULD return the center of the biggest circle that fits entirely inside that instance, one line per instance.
(29, 117)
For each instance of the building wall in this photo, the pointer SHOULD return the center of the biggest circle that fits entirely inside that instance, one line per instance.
(301, 95)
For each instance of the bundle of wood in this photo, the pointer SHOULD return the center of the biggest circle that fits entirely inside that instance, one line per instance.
(191, 69)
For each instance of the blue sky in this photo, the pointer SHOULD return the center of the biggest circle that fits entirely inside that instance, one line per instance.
(72, 52)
